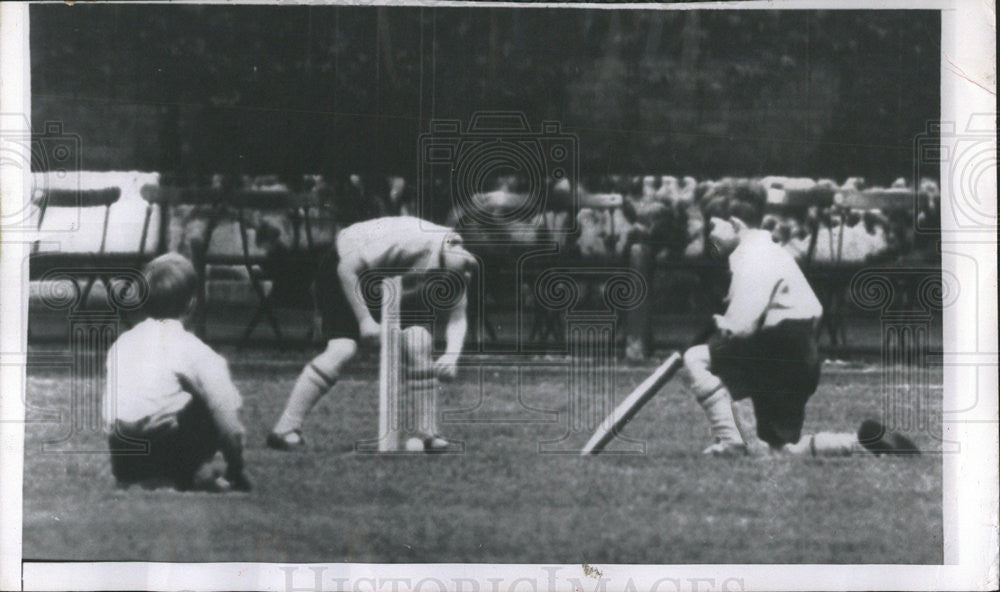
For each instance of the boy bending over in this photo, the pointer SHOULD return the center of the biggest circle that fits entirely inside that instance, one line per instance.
(171, 393)
(397, 245)
(758, 370)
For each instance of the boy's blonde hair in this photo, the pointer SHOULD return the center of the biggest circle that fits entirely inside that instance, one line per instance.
(172, 283)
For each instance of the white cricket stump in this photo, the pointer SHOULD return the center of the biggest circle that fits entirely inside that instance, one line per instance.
(407, 397)
(390, 367)
(390, 373)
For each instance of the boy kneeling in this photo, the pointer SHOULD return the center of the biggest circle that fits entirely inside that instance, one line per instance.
(758, 370)
(170, 402)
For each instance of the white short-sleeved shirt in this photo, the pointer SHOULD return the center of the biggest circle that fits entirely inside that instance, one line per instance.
(155, 368)
(767, 287)
(394, 242)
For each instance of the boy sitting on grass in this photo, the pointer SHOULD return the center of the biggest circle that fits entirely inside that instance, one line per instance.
(170, 403)
(758, 370)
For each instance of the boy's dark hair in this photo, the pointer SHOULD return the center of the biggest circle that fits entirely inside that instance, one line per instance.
(743, 198)
(172, 283)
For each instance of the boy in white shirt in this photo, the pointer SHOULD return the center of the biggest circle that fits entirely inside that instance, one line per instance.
(170, 402)
(758, 370)
(395, 245)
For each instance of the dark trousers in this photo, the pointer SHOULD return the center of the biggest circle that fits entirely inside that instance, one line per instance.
(172, 451)
(778, 368)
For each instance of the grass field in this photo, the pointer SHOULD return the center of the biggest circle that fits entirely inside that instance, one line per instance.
(501, 500)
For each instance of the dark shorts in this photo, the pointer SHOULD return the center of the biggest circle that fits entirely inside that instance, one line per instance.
(173, 452)
(778, 368)
(338, 318)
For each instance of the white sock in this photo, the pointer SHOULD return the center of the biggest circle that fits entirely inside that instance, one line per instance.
(309, 388)
(718, 407)
(826, 444)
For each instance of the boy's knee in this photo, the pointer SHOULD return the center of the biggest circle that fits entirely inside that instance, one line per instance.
(343, 349)
(697, 358)
(337, 353)
(698, 376)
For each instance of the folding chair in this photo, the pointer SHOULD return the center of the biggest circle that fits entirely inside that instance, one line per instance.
(70, 198)
(309, 201)
(167, 198)
(101, 261)
(296, 206)
(309, 211)
(155, 200)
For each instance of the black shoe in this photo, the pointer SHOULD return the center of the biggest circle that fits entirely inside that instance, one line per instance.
(291, 440)
(436, 444)
(878, 440)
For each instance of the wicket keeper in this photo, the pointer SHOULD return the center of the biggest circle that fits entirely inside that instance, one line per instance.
(170, 392)
(402, 245)
(761, 365)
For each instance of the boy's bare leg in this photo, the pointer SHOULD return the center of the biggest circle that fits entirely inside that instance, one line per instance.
(316, 379)
(746, 423)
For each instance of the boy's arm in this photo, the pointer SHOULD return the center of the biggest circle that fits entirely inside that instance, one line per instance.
(350, 245)
(454, 334)
(211, 381)
(349, 269)
(750, 292)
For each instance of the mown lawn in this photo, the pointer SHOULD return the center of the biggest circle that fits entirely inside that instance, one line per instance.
(500, 500)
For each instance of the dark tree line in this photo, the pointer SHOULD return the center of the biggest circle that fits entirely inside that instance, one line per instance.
(192, 90)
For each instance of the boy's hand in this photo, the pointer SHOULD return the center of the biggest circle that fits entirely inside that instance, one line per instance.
(239, 480)
(720, 322)
(446, 367)
(370, 332)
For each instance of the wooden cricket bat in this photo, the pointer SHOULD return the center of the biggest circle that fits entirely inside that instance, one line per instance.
(613, 424)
